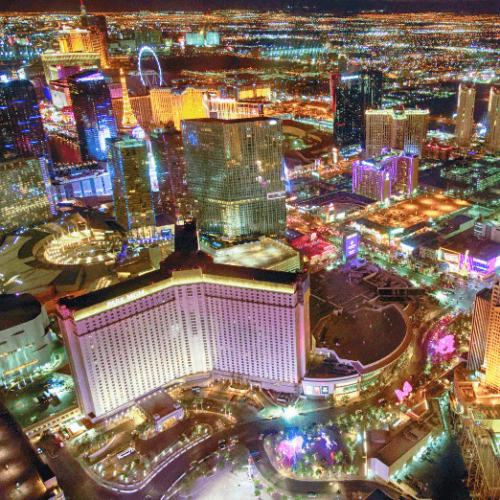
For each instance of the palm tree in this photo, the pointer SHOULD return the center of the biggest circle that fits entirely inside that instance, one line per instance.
(199, 401)
(227, 408)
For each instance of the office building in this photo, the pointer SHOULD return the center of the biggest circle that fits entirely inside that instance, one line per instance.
(492, 351)
(171, 106)
(479, 332)
(353, 94)
(168, 152)
(235, 175)
(25, 196)
(21, 125)
(398, 128)
(492, 142)
(132, 197)
(93, 112)
(465, 115)
(192, 320)
(25, 339)
(382, 177)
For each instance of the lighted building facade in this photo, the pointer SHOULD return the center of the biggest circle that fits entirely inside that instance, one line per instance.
(171, 106)
(74, 40)
(200, 322)
(492, 351)
(21, 125)
(465, 115)
(479, 332)
(493, 134)
(129, 171)
(398, 128)
(380, 178)
(353, 94)
(231, 109)
(25, 196)
(93, 112)
(25, 339)
(235, 176)
(168, 152)
(141, 107)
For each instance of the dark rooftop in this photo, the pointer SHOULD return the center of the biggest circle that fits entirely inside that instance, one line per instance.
(378, 495)
(477, 248)
(17, 309)
(177, 262)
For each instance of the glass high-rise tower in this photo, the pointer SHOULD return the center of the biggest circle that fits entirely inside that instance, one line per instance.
(21, 125)
(353, 94)
(132, 196)
(235, 174)
(168, 152)
(95, 122)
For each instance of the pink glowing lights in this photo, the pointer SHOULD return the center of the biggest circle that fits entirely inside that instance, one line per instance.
(407, 388)
(290, 447)
(446, 345)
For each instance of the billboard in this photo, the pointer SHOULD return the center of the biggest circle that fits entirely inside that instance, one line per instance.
(351, 243)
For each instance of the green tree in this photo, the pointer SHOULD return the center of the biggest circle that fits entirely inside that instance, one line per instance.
(270, 489)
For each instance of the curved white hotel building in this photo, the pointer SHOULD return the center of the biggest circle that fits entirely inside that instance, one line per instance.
(191, 320)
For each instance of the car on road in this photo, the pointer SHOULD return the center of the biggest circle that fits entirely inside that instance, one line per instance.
(312, 494)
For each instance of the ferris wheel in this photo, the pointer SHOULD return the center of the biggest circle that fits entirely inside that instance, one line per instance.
(149, 77)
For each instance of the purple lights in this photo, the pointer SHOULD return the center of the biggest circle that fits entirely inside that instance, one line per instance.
(291, 447)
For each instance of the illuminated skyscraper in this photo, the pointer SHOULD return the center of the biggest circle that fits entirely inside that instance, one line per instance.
(479, 332)
(235, 175)
(24, 193)
(168, 152)
(191, 319)
(132, 196)
(93, 113)
(492, 352)
(465, 115)
(398, 128)
(352, 94)
(493, 134)
(21, 126)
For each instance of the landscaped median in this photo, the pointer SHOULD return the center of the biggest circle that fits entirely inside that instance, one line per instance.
(134, 471)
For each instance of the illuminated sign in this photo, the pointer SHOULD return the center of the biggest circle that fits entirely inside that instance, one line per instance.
(126, 298)
(308, 389)
(317, 390)
(351, 242)
(324, 389)
(451, 258)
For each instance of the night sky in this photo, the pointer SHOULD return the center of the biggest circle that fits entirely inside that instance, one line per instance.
(470, 6)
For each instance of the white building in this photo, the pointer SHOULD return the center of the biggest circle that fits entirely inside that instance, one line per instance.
(398, 128)
(465, 115)
(25, 339)
(493, 135)
(201, 321)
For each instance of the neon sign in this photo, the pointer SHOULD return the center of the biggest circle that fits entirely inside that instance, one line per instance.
(351, 245)
(126, 298)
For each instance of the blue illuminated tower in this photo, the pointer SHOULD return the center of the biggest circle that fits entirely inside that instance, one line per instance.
(21, 131)
(21, 126)
(91, 101)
